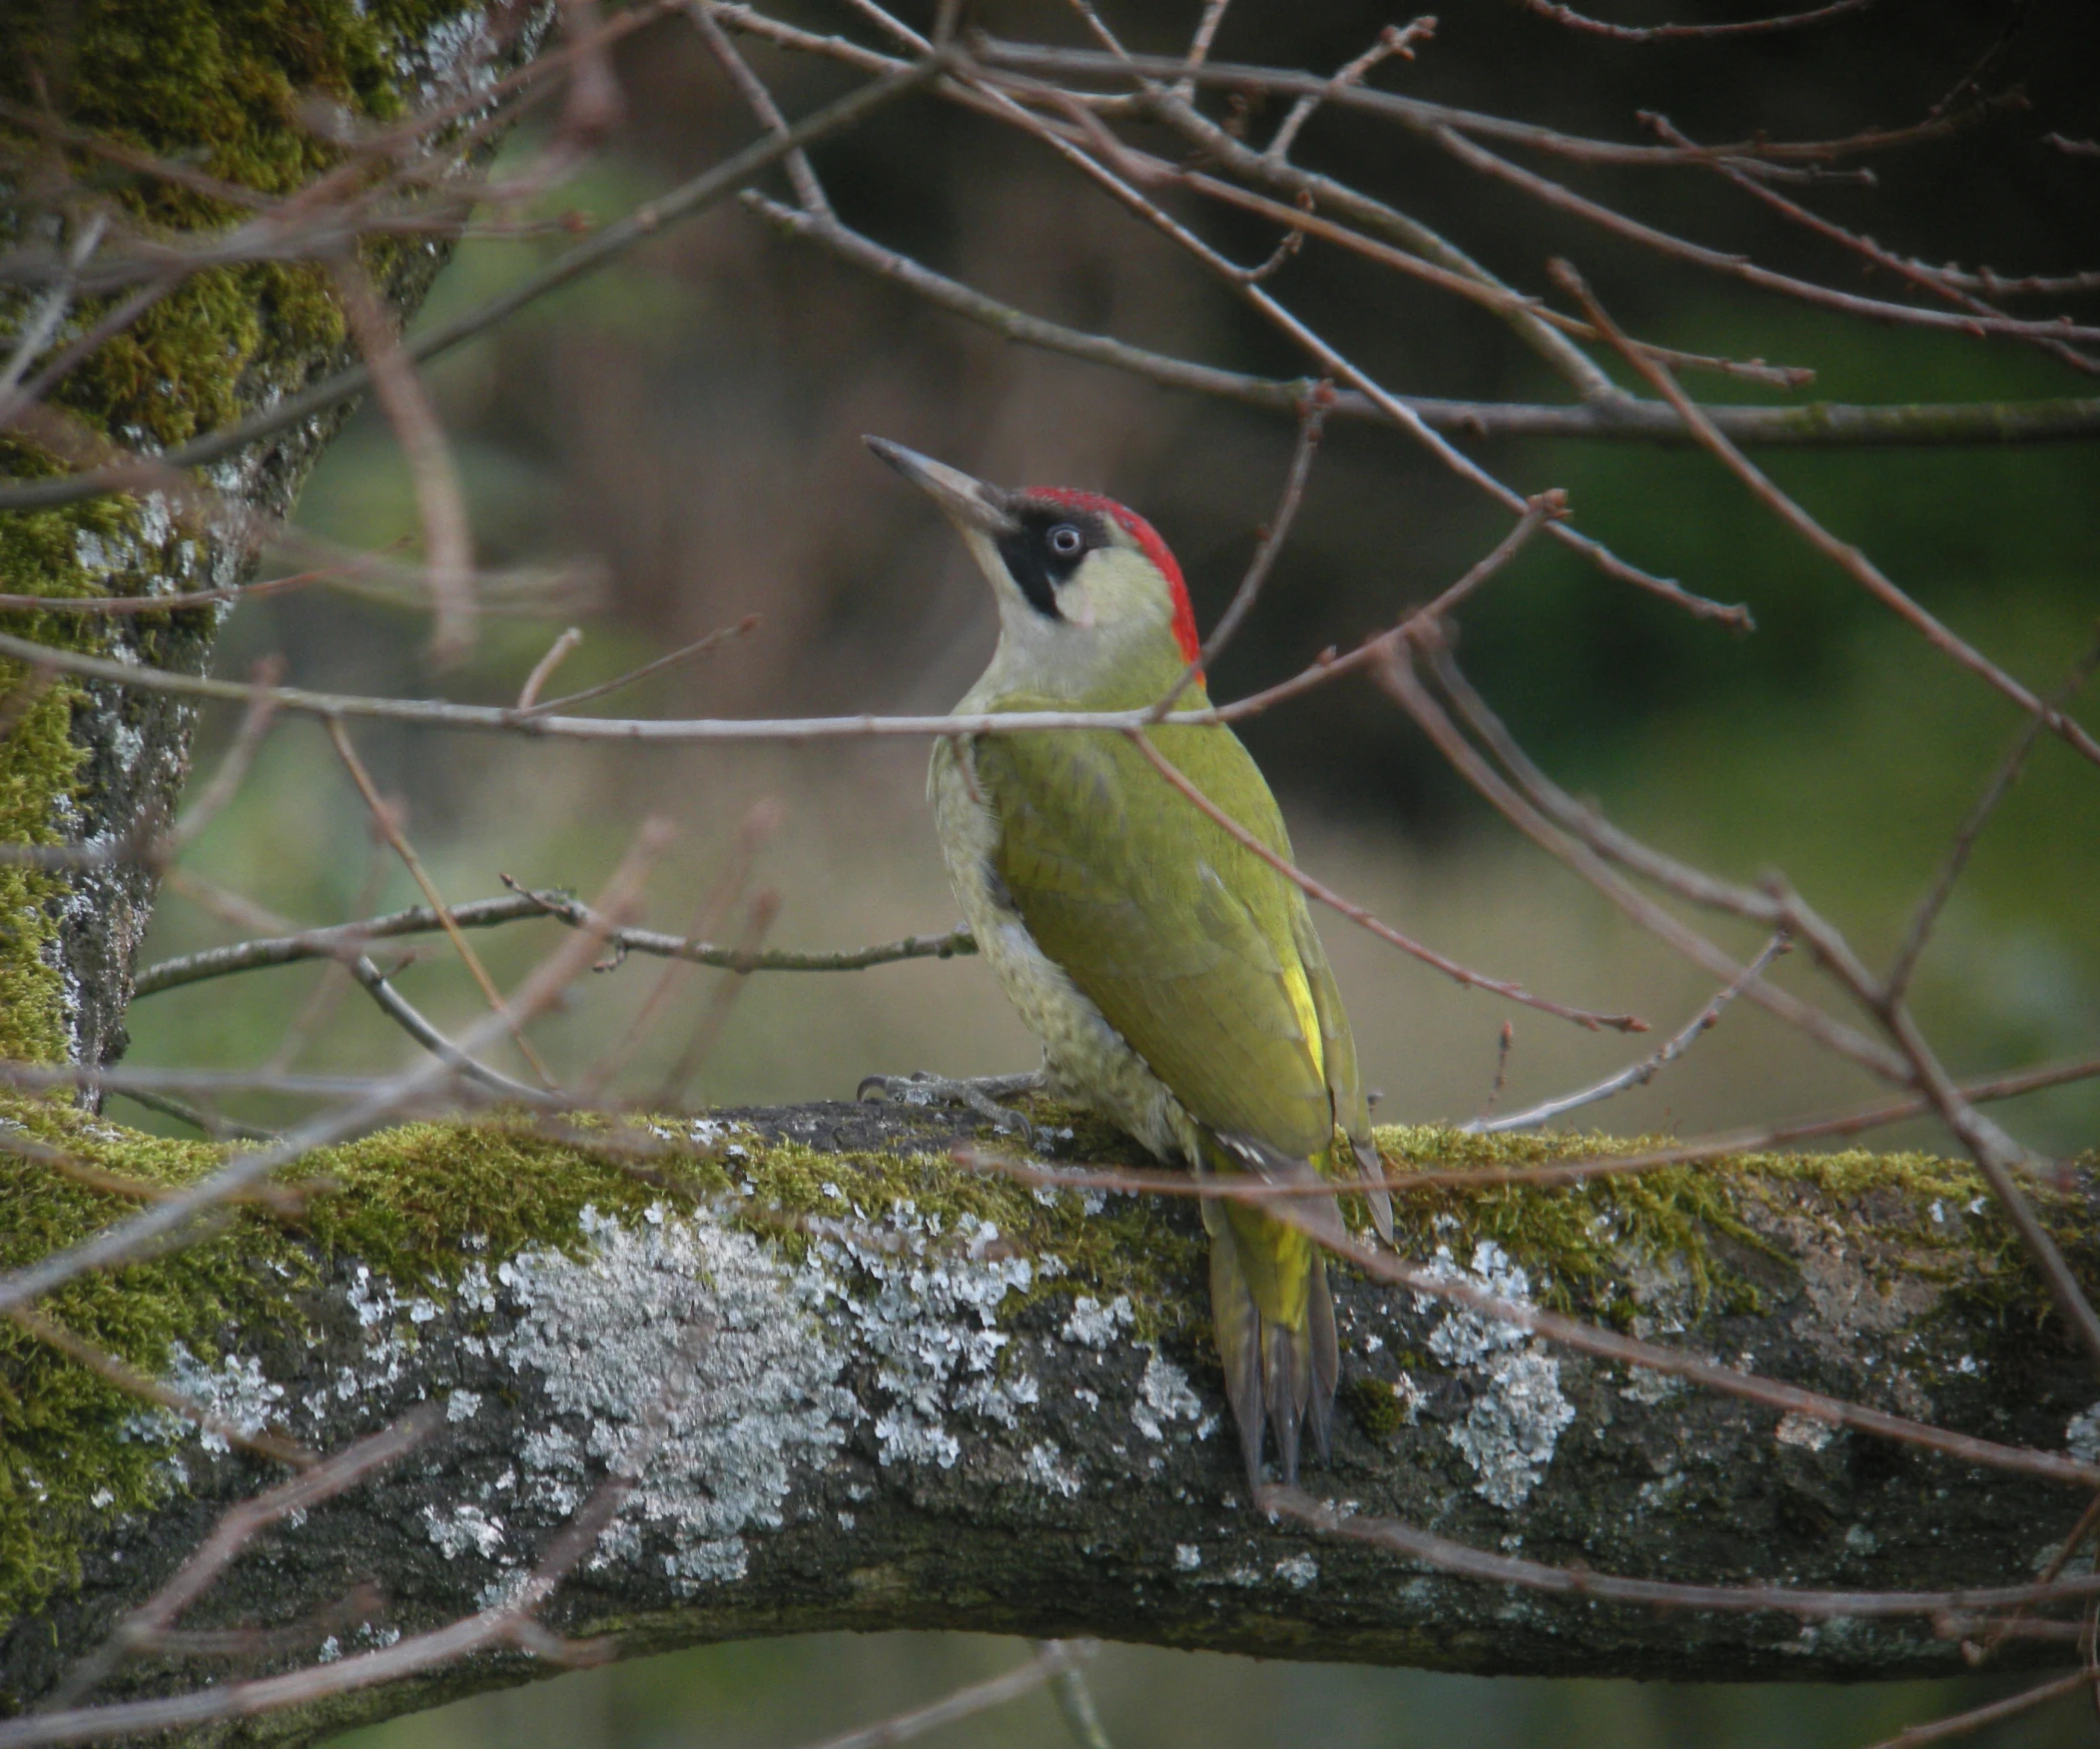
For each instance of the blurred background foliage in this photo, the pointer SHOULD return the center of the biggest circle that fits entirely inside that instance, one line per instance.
(686, 429)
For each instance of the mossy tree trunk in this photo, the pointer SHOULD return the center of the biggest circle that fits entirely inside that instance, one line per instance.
(926, 1398)
(214, 85)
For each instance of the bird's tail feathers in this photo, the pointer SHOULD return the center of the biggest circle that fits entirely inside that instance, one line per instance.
(1236, 1322)
(1281, 1371)
(1371, 1169)
(1325, 1352)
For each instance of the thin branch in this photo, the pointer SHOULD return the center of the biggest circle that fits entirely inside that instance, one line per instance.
(1199, 47)
(1497, 298)
(1266, 549)
(442, 714)
(1848, 558)
(1621, 418)
(133, 1383)
(1960, 1724)
(1897, 978)
(1425, 118)
(399, 1010)
(1333, 363)
(1442, 1553)
(1667, 33)
(440, 502)
(1638, 1073)
(390, 827)
(323, 1480)
(1397, 677)
(544, 670)
(1054, 1658)
(1075, 1698)
(808, 190)
(1928, 279)
(1623, 1023)
(700, 646)
(200, 1118)
(1394, 40)
(44, 320)
(336, 940)
(180, 602)
(1559, 196)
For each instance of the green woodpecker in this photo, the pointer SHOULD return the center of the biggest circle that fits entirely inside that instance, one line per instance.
(1172, 978)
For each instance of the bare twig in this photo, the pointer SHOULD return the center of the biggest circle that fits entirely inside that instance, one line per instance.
(1333, 363)
(1976, 1718)
(808, 190)
(700, 646)
(1055, 1658)
(1425, 118)
(323, 1480)
(44, 320)
(175, 603)
(447, 533)
(133, 1383)
(390, 827)
(399, 1009)
(544, 670)
(1897, 978)
(1075, 1698)
(1635, 1074)
(1502, 1570)
(1394, 40)
(1667, 33)
(333, 941)
(1266, 549)
(1929, 279)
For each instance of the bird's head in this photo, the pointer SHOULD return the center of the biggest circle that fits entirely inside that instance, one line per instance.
(1091, 601)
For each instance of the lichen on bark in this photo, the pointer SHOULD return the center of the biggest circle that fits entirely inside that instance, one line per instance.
(929, 1397)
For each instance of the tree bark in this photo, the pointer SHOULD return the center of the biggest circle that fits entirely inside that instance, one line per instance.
(216, 88)
(927, 1399)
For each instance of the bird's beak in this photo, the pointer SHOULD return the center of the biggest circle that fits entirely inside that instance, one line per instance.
(970, 504)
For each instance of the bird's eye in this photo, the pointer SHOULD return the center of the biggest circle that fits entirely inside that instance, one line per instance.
(1065, 540)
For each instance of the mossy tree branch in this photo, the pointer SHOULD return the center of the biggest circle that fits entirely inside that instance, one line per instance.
(927, 1399)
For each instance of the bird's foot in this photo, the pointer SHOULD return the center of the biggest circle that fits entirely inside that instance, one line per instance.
(980, 1094)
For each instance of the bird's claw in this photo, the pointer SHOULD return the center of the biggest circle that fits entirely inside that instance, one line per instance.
(979, 1095)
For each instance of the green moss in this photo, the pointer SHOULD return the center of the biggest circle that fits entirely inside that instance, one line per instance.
(405, 1202)
(1374, 1405)
(1577, 1241)
(40, 765)
(215, 86)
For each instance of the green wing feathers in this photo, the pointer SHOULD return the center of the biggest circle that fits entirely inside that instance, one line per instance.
(1205, 960)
